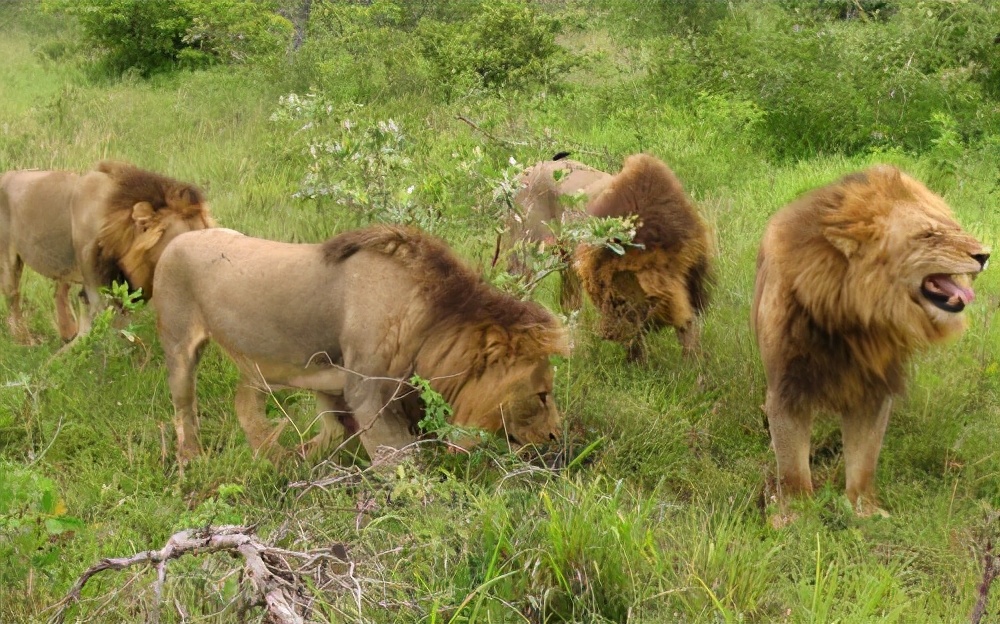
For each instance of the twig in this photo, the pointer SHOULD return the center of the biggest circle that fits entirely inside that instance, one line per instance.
(496, 251)
(991, 565)
(276, 583)
(490, 135)
(51, 442)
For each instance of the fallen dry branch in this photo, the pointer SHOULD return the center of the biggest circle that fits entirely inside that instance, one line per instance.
(276, 584)
(991, 568)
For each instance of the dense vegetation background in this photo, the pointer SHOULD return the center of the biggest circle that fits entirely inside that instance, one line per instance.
(304, 118)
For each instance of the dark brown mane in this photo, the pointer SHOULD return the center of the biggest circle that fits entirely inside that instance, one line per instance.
(458, 294)
(133, 185)
(646, 187)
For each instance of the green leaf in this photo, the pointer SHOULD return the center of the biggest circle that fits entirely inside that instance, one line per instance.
(48, 503)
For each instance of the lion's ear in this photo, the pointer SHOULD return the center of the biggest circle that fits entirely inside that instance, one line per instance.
(142, 215)
(496, 344)
(842, 240)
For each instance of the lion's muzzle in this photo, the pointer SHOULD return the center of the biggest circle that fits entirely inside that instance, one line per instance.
(952, 292)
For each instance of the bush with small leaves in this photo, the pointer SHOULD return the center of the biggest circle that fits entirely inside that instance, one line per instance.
(149, 36)
(505, 44)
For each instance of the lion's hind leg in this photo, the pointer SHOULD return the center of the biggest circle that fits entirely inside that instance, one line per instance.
(11, 267)
(251, 401)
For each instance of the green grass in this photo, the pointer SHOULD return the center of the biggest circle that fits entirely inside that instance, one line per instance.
(663, 520)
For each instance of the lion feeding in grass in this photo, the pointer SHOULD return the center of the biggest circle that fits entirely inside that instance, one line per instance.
(109, 223)
(852, 278)
(663, 283)
(352, 319)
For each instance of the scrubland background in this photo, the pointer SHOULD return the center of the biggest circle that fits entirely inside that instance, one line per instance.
(655, 508)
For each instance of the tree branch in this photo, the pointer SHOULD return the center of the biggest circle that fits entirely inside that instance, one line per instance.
(276, 583)
(991, 568)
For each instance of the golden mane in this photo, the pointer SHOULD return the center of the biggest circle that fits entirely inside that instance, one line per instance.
(121, 241)
(867, 332)
(460, 299)
(853, 209)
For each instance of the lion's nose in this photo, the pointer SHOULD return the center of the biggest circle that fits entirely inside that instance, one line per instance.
(982, 258)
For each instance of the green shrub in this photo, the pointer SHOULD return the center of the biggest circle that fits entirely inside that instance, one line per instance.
(156, 35)
(834, 85)
(33, 523)
(505, 44)
(358, 52)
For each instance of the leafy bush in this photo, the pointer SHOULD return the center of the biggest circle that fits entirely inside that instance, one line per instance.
(33, 522)
(505, 44)
(359, 51)
(156, 35)
(827, 84)
(362, 166)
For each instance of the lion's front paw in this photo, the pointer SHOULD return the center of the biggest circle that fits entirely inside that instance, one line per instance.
(869, 508)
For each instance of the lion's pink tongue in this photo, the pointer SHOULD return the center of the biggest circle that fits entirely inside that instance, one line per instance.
(948, 286)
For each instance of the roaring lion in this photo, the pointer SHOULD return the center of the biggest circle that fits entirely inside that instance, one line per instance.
(110, 223)
(663, 283)
(852, 279)
(352, 319)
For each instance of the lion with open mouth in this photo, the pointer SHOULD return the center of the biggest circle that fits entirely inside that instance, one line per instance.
(852, 279)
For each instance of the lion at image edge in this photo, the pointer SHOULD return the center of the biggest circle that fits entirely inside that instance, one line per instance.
(352, 319)
(662, 284)
(110, 223)
(852, 279)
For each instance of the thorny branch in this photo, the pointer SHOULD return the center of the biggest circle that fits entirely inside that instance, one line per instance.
(276, 583)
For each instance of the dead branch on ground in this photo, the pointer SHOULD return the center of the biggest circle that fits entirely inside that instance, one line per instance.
(991, 569)
(277, 584)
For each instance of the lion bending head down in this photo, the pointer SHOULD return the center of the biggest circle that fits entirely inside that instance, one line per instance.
(143, 213)
(662, 284)
(109, 223)
(851, 280)
(352, 320)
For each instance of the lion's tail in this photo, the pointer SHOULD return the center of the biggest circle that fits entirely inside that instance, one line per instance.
(699, 280)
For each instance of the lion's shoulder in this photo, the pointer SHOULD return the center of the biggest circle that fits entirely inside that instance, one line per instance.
(456, 295)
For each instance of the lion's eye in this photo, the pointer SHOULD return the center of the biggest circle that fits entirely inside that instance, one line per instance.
(543, 397)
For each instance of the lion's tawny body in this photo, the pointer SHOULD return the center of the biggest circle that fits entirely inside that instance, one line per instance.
(847, 288)
(352, 320)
